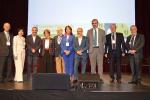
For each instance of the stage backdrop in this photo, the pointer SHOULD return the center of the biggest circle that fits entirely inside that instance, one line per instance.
(16, 12)
(79, 13)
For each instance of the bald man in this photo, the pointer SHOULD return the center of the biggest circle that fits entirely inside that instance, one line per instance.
(58, 58)
(6, 54)
(80, 47)
(135, 43)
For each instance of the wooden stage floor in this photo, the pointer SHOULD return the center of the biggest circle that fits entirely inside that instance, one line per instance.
(105, 87)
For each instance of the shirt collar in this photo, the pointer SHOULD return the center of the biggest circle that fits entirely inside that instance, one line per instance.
(6, 32)
(95, 28)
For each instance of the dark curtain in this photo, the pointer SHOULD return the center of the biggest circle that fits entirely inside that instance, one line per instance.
(15, 12)
(142, 10)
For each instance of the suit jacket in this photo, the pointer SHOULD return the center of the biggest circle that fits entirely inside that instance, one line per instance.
(4, 49)
(31, 44)
(57, 47)
(138, 44)
(120, 43)
(101, 41)
(18, 45)
(83, 46)
(51, 46)
(70, 47)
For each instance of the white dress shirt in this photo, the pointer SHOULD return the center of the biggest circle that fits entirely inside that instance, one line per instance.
(113, 41)
(133, 40)
(80, 40)
(97, 43)
(7, 36)
(46, 43)
(34, 38)
(59, 39)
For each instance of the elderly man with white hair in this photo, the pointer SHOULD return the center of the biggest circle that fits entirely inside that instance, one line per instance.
(58, 58)
(135, 43)
(6, 53)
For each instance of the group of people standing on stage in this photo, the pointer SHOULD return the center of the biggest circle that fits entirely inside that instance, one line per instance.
(64, 52)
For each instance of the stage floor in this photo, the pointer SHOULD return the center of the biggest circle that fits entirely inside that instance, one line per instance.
(105, 87)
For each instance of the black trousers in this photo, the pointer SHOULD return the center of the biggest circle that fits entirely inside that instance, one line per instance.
(6, 68)
(48, 65)
(32, 65)
(135, 61)
(115, 65)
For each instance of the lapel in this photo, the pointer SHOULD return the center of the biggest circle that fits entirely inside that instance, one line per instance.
(136, 39)
(99, 32)
(99, 35)
(128, 41)
(56, 40)
(31, 39)
(77, 42)
(69, 39)
(81, 41)
(109, 38)
(44, 41)
(91, 34)
(129, 38)
(117, 38)
(5, 38)
(35, 39)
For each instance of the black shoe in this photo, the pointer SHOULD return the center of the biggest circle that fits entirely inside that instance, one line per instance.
(101, 80)
(138, 82)
(19, 81)
(112, 81)
(10, 80)
(119, 81)
(131, 82)
(2, 81)
(75, 81)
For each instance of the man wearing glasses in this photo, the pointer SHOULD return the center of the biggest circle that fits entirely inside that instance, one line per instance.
(96, 37)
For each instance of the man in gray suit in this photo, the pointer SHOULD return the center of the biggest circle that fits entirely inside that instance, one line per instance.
(33, 42)
(96, 37)
(80, 47)
(6, 54)
(135, 44)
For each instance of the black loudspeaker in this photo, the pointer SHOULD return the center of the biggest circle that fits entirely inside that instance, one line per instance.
(51, 81)
(89, 81)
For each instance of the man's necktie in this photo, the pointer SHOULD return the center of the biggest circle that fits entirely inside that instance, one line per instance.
(132, 42)
(113, 39)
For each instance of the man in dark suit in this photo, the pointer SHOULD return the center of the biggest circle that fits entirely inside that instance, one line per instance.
(135, 44)
(60, 68)
(6, 54)
(80, 47)
(114, 49)
(33, 42)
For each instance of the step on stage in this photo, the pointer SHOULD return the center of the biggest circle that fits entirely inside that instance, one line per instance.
(105, 91)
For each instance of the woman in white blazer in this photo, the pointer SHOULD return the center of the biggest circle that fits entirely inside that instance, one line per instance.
(19, 55)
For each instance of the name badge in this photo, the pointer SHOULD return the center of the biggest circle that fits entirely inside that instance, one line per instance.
(113, 41)
(8, 43)
(130, 43)
(67, 44)
(58, 42)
